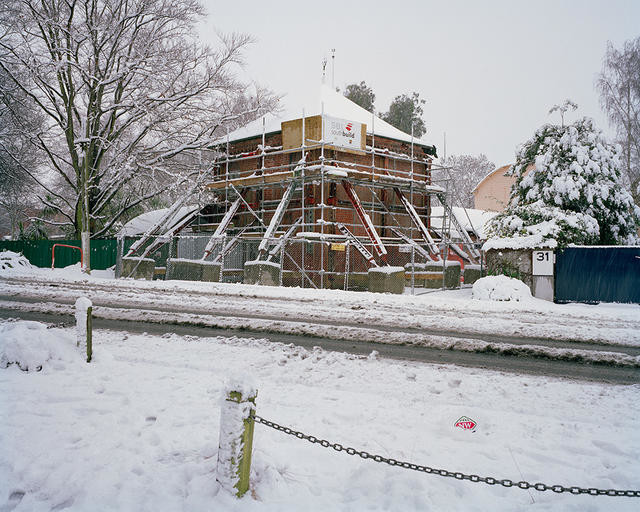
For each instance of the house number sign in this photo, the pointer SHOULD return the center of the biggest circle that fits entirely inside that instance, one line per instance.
(543, 263)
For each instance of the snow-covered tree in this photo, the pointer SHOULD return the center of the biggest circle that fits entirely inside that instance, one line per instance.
(619, 86)
(126, 89)
(463, 173)
(568, 189)
(405, 113)
(361, 94)
(17, 157)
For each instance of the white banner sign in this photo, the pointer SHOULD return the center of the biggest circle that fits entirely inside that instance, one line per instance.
(342, 133)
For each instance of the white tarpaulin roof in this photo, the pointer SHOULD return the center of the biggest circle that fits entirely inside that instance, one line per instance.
(142, 223)
(332, 103)
(471, 220)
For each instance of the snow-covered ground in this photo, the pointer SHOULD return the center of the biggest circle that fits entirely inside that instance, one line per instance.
(137, 429)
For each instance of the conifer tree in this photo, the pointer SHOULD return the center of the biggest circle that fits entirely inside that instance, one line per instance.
(568, 189)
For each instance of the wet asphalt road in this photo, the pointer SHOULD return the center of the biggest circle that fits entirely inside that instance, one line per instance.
(518, 364)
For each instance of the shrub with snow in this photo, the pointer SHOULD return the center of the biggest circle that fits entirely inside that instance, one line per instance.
(539, 225)
(501, 288)
(10, 260)
(573, 191)
(30, 345)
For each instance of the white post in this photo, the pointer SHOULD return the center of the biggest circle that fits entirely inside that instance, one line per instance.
(85, 245)
(84, 328)
(236, 437)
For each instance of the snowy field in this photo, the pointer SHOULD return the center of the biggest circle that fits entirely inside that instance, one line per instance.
(137, 429)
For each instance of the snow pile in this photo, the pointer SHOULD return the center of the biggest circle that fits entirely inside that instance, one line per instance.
(30, 345)
(10, 260)
(500, 288)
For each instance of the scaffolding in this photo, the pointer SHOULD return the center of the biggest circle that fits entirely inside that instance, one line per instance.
(326, 213)
(322, 211)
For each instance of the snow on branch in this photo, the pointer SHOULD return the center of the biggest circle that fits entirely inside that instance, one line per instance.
(126, 86)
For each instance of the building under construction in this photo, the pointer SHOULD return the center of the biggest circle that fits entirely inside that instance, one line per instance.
(319, 200)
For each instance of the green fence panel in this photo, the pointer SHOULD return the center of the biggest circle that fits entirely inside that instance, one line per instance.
(38, 252)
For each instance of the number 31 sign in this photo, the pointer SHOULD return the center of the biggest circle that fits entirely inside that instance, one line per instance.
(543, 263)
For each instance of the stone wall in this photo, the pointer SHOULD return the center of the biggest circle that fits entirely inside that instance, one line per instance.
(262, 272)
(518, 263)
(192, 270)
(510, 262)
(471, 273)
(386, 280)
(430, 275)
(138, 268)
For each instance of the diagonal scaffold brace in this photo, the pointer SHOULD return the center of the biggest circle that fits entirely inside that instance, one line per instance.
(369, 228)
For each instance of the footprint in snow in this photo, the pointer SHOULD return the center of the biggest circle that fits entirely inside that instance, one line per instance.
(14, 500)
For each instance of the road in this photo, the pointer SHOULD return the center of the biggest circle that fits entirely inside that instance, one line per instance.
(350, 328)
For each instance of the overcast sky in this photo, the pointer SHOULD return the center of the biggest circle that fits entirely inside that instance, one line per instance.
(489, 70)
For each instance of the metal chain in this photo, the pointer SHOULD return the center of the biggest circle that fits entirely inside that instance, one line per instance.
(443, 472)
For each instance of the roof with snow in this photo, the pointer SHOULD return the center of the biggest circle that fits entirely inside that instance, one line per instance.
(330, 103)
(145, 221)
(500, 170)
(471, 219)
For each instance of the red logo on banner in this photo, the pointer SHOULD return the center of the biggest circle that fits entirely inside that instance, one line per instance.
(466, 423)
(349, 126)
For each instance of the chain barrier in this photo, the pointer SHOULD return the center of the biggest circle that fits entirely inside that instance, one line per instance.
(443, 472)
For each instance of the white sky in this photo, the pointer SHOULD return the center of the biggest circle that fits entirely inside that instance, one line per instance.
(490, 71)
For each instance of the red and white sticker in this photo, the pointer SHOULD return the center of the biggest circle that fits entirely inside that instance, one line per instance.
(466, 423)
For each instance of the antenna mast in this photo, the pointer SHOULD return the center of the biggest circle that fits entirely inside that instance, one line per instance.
(333, 67)
(324, 66)
(445, 147)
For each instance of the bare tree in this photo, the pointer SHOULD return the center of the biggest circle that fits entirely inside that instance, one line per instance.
(566, 106)
(463, 173)
(619, 86)
(125, 88)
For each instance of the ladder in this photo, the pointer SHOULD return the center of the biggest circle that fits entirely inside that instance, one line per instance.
(420, 250)
(366, 221)
(415, 218)
(281, 209)
(219, 234)
(358, 244)
(276, 219)
(276, 248)
(231, 244)
(458, 225)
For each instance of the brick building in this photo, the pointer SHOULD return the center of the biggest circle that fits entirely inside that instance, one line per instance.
(318, 198)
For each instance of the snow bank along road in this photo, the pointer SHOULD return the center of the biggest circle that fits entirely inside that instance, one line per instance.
(603, 335)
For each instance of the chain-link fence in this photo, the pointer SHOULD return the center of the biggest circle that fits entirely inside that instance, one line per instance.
(302, 262)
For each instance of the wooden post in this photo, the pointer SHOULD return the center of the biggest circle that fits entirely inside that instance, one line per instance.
(89, 334)
(236, 440)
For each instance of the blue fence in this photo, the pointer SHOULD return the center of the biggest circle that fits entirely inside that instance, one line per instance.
(598, 274)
